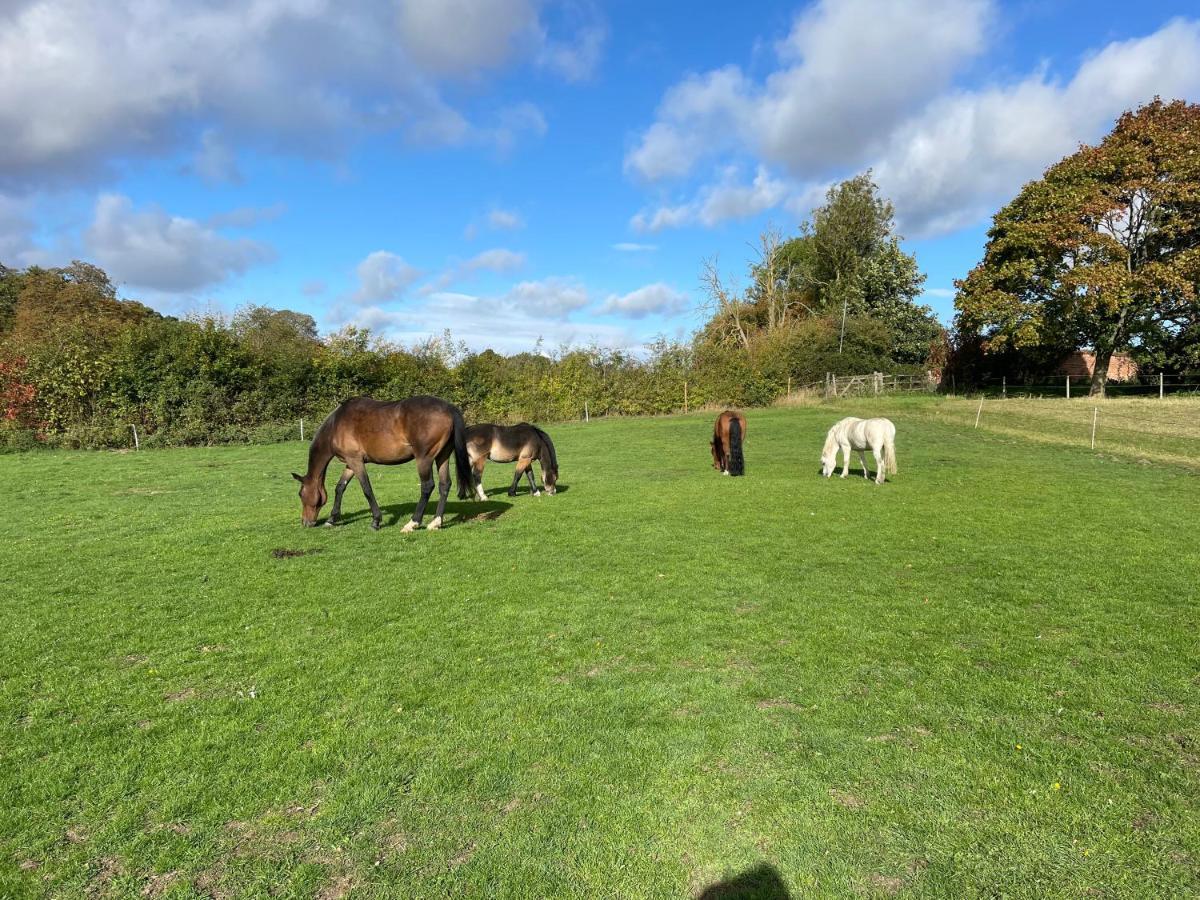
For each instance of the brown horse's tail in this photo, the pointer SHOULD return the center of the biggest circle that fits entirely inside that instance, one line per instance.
(737, 464)
(462, 462)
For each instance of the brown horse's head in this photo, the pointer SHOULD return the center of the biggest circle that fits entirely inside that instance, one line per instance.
(312, 498)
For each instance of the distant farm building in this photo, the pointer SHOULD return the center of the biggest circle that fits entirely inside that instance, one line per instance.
(1082, 363)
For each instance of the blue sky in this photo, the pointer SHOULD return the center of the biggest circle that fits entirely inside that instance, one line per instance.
(513, 169)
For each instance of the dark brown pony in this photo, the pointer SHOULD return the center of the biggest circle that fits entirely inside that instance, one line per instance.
(363, 430)
(728, 434)
(505, 443)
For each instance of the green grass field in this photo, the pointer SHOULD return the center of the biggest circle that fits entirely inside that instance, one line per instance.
(981, 679)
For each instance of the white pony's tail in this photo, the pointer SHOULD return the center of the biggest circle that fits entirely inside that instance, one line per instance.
(889, 453)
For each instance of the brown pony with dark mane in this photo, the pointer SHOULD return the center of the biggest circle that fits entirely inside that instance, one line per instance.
(729, 432)
(363, 430)
(523, 443)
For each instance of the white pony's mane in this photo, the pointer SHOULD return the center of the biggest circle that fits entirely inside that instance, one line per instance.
(836, 431)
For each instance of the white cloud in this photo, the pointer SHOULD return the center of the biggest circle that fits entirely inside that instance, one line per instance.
(86, 82)
(313, 288)
(631, 247)
(942, 293)
(215, 161)
(510, 323)
(548, 297)
(383, 276)
(504, 220)
(576, 60)
(850, 70)
(151, 249)
(869, 83)
(971, 151)
(653, 298)
(495, 260)
(716, 203)
(462, 37)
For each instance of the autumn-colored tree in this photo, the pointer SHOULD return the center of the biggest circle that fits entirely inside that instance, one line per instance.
(1103, 251)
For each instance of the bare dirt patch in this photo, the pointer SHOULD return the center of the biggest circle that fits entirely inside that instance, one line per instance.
(337, 889)
(883, 885)
(157, 885)
(180, 695)
(464, 855)
(285, 553)
(847, 799)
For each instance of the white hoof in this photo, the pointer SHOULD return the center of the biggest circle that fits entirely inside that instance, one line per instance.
(435, 524)
(537, 493)
(724, 471)
(409, 527)
(481, 494)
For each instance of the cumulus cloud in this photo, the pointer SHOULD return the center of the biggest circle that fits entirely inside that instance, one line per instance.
(86, 82)
(504, 220)
(497, 260)
(727, 199)
(149, 248)
(849, 71)
(552, 296)
(383, 276)
(653, 298)
(512, 322)
(851, 91)
(972, 150)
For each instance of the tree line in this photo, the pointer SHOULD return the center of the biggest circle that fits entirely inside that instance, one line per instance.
(1101, 253)
(79, 365)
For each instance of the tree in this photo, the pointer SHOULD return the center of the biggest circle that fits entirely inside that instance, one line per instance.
(1103, 251)
(848, 262)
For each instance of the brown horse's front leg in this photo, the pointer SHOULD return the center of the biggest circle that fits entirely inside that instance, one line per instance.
(336, 512)
(522, 465)
(425, 470)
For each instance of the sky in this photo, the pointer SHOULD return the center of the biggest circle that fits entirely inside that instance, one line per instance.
(519, 171)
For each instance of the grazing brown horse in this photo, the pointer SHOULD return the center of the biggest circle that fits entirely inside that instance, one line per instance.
(363, 430)
(729, 432)
(505, 443)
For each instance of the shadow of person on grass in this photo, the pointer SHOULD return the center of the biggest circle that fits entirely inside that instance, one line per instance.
(763, 882)
(456, 513)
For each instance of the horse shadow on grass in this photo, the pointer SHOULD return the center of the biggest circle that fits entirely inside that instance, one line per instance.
(523, 491)
(460, 513)
(763, 882)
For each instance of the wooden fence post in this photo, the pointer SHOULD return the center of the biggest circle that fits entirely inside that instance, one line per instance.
(1068, 387)
(301, 429)
(1004, 387)
(685, 397)
(137, 445)
(979, 412)
(586, 415)
(1095, 414)
(1160, 386)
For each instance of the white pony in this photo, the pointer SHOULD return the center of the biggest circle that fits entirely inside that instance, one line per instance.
(876, 435)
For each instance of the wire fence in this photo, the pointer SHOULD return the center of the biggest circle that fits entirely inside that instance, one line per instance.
(1077, 386)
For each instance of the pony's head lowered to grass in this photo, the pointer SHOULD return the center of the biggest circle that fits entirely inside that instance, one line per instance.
(312, 498)
(829, 453)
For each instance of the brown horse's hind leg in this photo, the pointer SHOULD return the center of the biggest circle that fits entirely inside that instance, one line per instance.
(477, 471)
(425, 471)
(360, 472)
(336, 512)
(443, 491)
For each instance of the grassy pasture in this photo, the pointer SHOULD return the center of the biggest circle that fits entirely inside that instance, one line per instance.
(981, 679)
